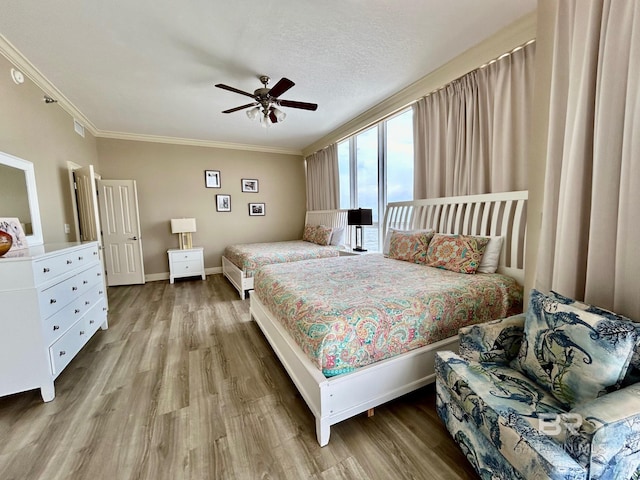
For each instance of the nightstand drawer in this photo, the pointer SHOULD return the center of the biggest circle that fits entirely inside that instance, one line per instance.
(193, 267)
(185, 256)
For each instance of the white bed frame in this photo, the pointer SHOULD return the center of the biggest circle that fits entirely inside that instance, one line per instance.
(330, 218)
(334, 399)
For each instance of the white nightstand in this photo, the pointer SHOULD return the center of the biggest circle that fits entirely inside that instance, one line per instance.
(186, 263)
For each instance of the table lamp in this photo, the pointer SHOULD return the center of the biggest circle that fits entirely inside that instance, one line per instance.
(359, 217)
(184, 227)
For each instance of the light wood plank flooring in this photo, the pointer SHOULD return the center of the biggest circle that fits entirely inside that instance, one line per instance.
(184, 386)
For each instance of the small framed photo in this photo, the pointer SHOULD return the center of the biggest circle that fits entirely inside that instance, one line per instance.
(250, 185)
(256, 209)
(223, 203)
(212, 178)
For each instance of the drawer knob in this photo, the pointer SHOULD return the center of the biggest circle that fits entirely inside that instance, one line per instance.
(99, 274)
(46, 270)
(56, 327)
(77, 310)
(87, 302)
(100, 292)
(186, 267)
(53, 300)
(73, 289)
(62, 353)
(104, 309)
(91, 322)
(69, 262)
(84, 282)
(80, 259)
(81, 332)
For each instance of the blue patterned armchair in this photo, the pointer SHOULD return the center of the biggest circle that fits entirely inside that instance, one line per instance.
(553, 393)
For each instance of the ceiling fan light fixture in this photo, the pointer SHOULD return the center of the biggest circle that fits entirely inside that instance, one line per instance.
(280, 115)
(253, 113)
(265, 121)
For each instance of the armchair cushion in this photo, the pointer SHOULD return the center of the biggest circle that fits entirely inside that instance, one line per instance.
(575, 354)
(495, 341)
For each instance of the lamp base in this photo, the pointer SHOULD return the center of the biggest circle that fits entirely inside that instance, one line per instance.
(359, 249)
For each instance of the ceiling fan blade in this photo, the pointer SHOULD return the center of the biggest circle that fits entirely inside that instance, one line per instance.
(272, 117)
(282, 86)
(231, 110)
(235, 90)
(302, 105)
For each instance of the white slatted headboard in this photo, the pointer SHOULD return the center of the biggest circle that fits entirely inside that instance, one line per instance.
(490, 214)
(330, 218)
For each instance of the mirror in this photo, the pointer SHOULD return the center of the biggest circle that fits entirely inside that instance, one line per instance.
(18, 195)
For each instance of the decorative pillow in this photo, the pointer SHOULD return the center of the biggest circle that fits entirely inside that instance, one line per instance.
(574, 354)
(458, 253)
(309, 233)
(322, 235)
(387, 238)
(337, 236)
(633, 373)
(491, 256)
(409, 247)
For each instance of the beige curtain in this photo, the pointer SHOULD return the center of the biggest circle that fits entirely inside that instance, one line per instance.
(591, 211)
(323, 181)
(472, 135)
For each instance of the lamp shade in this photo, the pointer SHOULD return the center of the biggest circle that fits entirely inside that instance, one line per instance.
(360, 216)
(183, 225)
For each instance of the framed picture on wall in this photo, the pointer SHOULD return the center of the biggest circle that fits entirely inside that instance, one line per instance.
(223, 203)
(250, 185)
(256, 209)
(212, 178)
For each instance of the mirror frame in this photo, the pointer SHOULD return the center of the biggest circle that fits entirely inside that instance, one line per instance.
(32, 192)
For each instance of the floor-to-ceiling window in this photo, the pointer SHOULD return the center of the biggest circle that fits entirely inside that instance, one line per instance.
(376, 167)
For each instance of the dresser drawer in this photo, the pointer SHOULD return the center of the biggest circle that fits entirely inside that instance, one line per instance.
(51, 267)
(192, 267)
(56, 297)
(95, 317)
(179, 256)
(67, 346)
(59, 323)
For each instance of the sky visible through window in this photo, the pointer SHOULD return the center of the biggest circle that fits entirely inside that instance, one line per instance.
(367, 162)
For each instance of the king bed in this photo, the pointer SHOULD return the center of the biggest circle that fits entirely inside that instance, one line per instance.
(239, 262)
(355, 332)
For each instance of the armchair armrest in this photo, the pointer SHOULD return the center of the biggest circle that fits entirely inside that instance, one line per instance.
(608, 438)
(495, 341)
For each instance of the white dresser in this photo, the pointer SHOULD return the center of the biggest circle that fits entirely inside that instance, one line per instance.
(53, 299)
(187, 262)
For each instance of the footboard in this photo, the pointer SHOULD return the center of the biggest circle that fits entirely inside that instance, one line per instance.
(236, 277)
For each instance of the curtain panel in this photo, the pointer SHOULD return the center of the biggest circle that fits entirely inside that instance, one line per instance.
(591, 215)
(472, 136)
(323, 181)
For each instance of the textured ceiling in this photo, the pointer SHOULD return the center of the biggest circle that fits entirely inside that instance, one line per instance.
(148, 67)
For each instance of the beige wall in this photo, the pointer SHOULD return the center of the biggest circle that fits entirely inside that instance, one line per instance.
(43, 134)
(170, 182)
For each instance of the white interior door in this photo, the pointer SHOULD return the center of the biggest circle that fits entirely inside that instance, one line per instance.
(87, 198)
(118, 201)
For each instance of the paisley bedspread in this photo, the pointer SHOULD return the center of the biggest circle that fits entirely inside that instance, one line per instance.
(249, 256)
(348, 312)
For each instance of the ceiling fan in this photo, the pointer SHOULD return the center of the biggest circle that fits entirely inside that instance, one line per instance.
(267, 101)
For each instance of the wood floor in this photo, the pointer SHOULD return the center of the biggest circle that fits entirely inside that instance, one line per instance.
(184, 386)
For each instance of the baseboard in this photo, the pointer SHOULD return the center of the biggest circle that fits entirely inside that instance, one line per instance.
(156, 277)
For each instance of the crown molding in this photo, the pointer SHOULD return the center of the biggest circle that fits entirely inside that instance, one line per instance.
(513, 35)
(194, 142)
(11, 53)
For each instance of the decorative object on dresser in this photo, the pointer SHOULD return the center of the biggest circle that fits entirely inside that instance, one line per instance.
(13, 227)
(58, 297)
(359, 217)
(6, 241)
(186, 262)
(223, 203)
(184, 227)
(212, 178)
(256, 209)
(250, 185)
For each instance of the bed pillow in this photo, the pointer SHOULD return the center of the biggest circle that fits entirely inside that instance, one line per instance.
(409, 246)
(457, 253)
(309, 233)
(387, 237)
(337, 236)
(574, 354)
(633, 373)
(491, 256)
(323, 235)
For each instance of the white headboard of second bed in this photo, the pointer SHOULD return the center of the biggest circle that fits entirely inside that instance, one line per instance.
(491, 214)
(330, 218)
